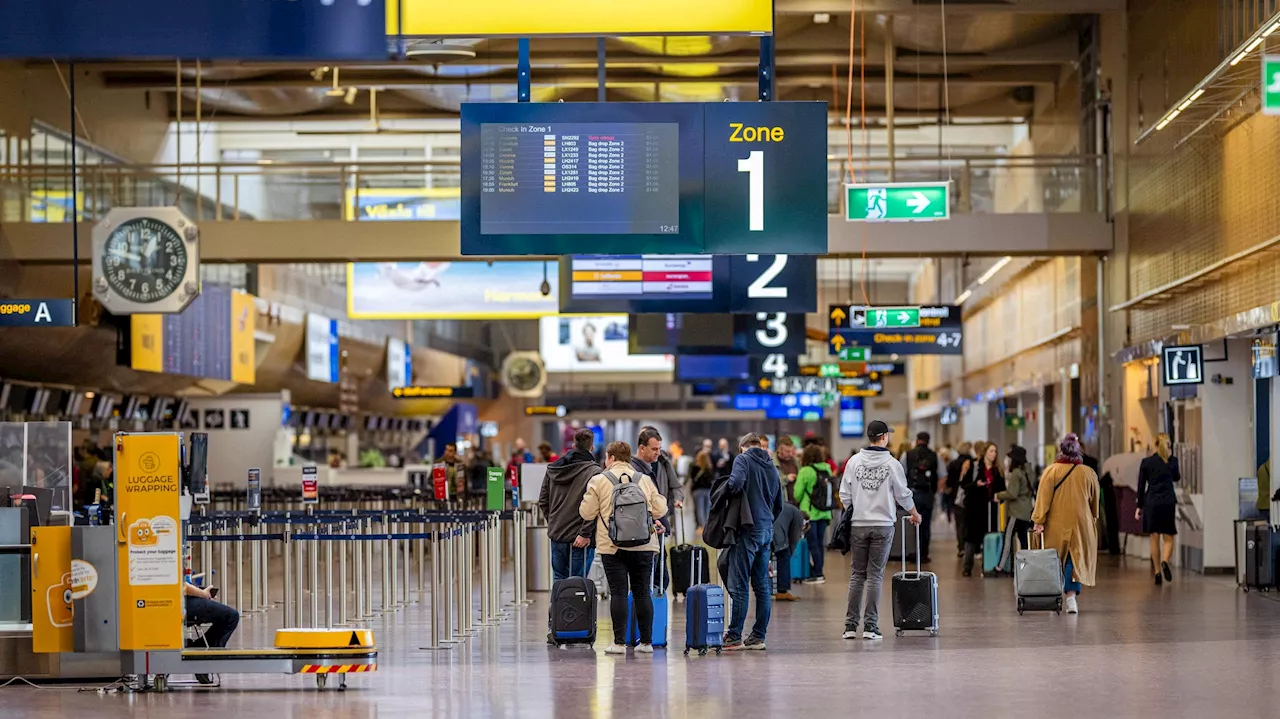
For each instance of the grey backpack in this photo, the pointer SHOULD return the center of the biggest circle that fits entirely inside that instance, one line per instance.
(630, 525)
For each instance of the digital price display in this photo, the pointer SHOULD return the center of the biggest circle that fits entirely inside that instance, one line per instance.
(617, 178)
(642, 284)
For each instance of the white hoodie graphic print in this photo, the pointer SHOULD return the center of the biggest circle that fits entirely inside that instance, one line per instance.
(873, 483)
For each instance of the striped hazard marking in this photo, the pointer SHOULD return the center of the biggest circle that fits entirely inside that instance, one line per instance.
(338, 668)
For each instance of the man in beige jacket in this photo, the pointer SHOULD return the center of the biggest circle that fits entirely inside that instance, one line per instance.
(628, 569)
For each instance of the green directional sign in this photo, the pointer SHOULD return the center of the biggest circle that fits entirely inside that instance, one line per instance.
(855, 354)
(898, 202)
(1271, 84)
(887, 317)
(829, 370)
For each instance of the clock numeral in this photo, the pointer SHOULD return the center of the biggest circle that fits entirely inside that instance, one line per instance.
(120, 275)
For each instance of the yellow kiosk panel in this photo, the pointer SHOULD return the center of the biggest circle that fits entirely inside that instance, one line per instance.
(149, 541)
(51, 617)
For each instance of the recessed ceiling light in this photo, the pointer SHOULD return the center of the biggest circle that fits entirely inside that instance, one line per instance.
(821, 18)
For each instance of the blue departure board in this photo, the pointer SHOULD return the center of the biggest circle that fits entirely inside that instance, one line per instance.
(594, 178)
(644, 178)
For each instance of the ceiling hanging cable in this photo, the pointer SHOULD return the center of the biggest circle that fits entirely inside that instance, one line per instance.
(848, 98)
(866, 145)
(946, 84)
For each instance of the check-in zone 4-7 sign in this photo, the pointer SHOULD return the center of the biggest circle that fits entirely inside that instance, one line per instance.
(939, 330)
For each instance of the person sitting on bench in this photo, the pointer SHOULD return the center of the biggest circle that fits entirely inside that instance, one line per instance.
(203, 609)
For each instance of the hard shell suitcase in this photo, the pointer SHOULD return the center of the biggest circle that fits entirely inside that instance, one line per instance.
(800, 566)
(660, 610)
(1259, 557)
(915, 595)
(681, 562)
(706, 607)
(573, 611)
(992, 548)
(1037, 579)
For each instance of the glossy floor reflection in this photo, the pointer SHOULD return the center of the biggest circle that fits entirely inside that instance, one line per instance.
(1198, 648)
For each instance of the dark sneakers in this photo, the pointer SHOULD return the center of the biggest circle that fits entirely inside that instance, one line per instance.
(754, 643)
(733, 644)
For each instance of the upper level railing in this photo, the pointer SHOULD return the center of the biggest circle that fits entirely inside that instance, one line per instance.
(429, 189)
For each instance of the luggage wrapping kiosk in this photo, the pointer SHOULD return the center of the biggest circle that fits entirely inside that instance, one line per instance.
(117, 590)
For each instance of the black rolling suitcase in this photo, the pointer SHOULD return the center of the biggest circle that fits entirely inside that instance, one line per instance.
(684, 557)
(915, 595)
(573, 611)
(1259, 558)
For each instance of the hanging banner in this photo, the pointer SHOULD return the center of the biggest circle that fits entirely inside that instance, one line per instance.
(149, 560)
(474, 290)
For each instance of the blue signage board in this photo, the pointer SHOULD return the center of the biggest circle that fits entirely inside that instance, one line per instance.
(204, 29)
(37, 313)
(663, 178)
(639, 284)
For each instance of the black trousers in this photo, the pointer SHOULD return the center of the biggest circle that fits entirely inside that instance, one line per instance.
(924, 505)
(630, 571)
(222, 620)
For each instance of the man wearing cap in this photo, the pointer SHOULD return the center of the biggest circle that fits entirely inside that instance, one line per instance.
(873, 483)
(923, 469)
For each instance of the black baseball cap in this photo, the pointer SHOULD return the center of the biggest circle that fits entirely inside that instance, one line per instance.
(877, 428)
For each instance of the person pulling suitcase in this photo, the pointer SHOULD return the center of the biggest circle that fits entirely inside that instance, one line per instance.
(873, 483)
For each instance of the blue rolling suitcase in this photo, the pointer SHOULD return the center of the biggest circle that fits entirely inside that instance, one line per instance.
(572, 618)
(705, 610)
(660, 610)
(992, 549)
(800, 561)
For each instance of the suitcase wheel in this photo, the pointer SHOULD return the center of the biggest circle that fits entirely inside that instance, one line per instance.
(1022, 606)
(933, 632)
(703, 652)
(686, 651)
(899, 633)
(719, 651)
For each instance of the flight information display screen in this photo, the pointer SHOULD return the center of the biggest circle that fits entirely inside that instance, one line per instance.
(643, 277)
(587, 178)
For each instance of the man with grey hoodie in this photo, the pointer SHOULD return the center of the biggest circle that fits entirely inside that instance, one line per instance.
(873, 487)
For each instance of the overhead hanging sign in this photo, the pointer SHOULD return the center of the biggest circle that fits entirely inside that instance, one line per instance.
(38, 313)
(898, 202)
(321, 348)
(399, 363)
(211, 338)
(582, 17)
(925, 330)
(207, 29)
(1271, 84)
(474, 290)
(641, 284)
(653, 177)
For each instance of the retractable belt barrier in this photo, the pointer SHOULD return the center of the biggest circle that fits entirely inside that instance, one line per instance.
(400, 543)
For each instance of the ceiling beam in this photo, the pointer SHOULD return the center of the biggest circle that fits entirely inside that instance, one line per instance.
(1047, 7)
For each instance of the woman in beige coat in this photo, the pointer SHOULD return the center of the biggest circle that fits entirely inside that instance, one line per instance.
(1066, 513)
(627, 569)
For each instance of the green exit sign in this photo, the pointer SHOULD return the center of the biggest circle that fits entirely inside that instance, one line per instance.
(898, 202)
(853, 354)
(829, 370)
(1271, 84)
(887, 317)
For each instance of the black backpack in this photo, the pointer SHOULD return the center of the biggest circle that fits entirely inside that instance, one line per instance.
(921, 466)
(822, 497)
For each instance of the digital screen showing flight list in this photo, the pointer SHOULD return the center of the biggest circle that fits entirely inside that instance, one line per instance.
(589, 178)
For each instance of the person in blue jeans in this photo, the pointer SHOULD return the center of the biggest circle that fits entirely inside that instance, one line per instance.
(753, 476)
(562, 490)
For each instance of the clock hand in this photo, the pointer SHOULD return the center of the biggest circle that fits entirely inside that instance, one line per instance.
(124, 255)
(152, 244)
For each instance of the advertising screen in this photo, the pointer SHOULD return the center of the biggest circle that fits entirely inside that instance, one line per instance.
(593, 344)
(474, 290)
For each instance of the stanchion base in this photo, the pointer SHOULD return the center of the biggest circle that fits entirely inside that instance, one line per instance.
(435, 649)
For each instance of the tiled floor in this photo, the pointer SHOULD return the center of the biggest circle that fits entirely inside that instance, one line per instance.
(1198, 648)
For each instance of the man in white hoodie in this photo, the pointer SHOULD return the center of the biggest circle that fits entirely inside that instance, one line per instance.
(873, 484)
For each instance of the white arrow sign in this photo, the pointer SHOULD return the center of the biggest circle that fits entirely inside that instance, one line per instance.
(918, 202)
(1274, 85)
(903, 317)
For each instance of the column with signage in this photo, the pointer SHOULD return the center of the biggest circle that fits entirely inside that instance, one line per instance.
(149, 539)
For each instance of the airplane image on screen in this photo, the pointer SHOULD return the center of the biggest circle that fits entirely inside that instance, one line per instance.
(421, 277)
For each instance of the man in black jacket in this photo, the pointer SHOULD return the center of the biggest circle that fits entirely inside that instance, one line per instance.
(923, 470)
(562, 490)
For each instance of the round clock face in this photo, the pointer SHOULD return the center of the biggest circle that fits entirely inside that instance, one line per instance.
(144, 260)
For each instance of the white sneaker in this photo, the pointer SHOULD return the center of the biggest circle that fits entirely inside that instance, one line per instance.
(816, 580)
(644, 649)
(615, 649)
(851, 634)
(1072, 607)
(871, 633)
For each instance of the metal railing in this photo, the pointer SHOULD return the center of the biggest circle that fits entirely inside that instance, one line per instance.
(328, 191)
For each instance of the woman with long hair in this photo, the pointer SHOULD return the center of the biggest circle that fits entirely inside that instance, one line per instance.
(981, 508)
(1158, 505)
(1066, 513)
(816, 485)
(700, 478)
(1018, 497)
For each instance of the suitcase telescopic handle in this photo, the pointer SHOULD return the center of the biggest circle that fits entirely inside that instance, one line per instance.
(1035, 534)
(904, 545)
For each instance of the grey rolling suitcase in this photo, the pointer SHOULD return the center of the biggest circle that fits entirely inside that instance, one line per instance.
(1037, 579)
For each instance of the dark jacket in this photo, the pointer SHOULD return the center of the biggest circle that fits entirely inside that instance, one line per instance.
(955, 476)
(1156, 478)
(701, 478)
(729, 517)
(562, 491)
(664, 476)
(981, 513)
(788, 529)
(755, 477)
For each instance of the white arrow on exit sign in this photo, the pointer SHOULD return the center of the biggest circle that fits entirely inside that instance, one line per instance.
(918, 202)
